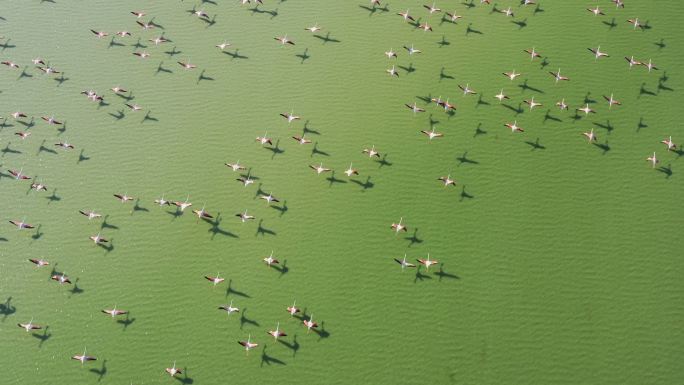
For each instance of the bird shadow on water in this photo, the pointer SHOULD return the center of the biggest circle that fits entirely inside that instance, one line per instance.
(24, 74)
(520, 23)
(161, 68)
(245, 320)
(42, 148)
(268, 360)
(75, 289)
(149, 118)
(276, 150)
(42, 337)
(256, 10)
(7, 150)
(185, 379)
(666, 170)
(332, 179)
(326, 39)
(607, 126)
(322, 332)
(409, 69)
(374, 9)
(82, 157)
(216, 228)
(138, 208)
(235, 55)
(364, 185)
(526, 87)
(173, 52)
(37, 234)
(304, 55)
(308, 130)
(443, 274)
(232, 291)
(316, 151)
(471, 30)
(294, 345)
(202, 76)
(535, 145)
(611, 24)
(420, 276)
(61, 79)
(101, 372)
(261, 230)
(465, 195)
(126, 322)
(114, 43)
(53, 197)
(7, 309)
(384, 162)
(479, 131)
(108, 247)
(413, 239)
(282, 209)
(464, 159)
(107, 225)
(603, 146)
(282, 269)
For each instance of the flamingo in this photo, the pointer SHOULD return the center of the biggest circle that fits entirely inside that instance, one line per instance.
(114, 312)
(90, 214)
(351, 171)
(310, 324)
(293, 309)
(277, 332)
(39, 262)
(172, 371)
(83, 357)
(29, 326)
(432, 134)
(371, 152)
(269, 198)
(397, 227)
(270, 260)
(319, 169)
(669, 143)
(591, 137)
(215, 280)
(447, 181)
(248, 345)
(427, 262)
(404, 264)
(514, 127)
(61, 278)
(244, 217)
(230, 309)
(611, 101)
(533, 53)
(501, 96)
(97, 239)
(236, 166)
(414, 108)
(511, 75)
(123, 197)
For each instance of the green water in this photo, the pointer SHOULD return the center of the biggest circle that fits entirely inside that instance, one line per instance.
(561, 261)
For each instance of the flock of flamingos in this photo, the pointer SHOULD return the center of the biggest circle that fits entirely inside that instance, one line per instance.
(148, 27)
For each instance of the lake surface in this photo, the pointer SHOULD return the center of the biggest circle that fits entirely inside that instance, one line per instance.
(560, 260)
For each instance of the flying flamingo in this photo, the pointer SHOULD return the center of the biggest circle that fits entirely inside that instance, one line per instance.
(83, 357)
(277, 332)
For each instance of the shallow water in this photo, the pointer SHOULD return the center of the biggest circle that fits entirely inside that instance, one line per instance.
(560, 258)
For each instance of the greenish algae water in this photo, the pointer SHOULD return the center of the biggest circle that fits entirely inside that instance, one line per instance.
(561, 261)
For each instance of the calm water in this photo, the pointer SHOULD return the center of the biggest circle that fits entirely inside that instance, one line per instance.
(560, 259)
